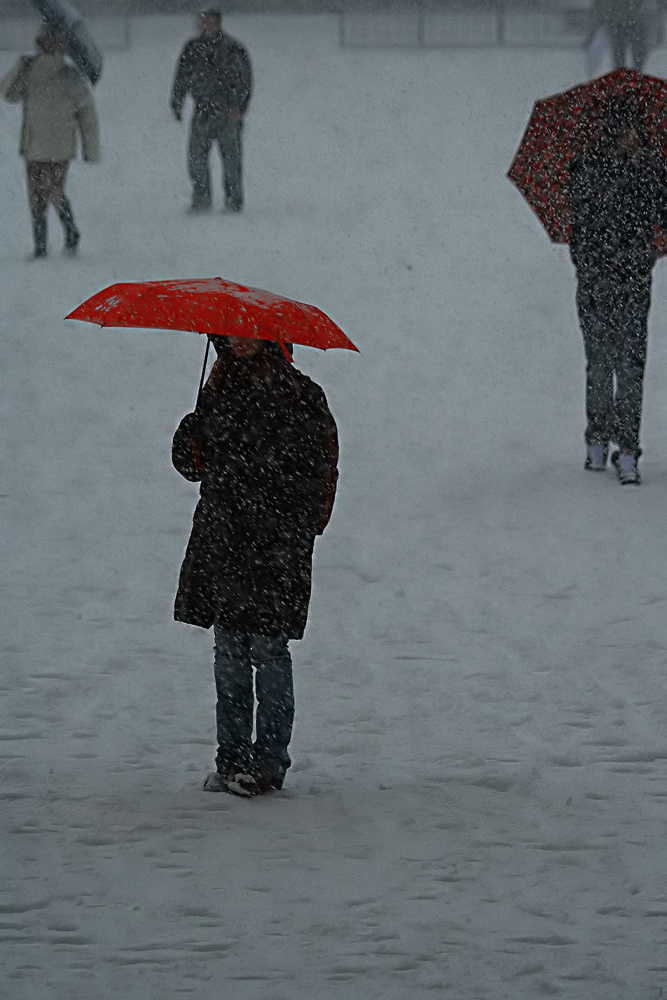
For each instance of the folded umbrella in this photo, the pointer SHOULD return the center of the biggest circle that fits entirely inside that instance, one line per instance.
(81, 48)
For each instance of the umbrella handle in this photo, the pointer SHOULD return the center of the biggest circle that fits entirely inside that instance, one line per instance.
(203, 373)
(286, 353)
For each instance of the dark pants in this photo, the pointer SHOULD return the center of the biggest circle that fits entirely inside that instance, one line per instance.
(205, 129)
(632, 36)
(46, 185)
(613, 314)
(236, 653)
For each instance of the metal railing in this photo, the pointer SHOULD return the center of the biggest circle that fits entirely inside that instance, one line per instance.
(379, 24)
(102, 8)
(478, 24)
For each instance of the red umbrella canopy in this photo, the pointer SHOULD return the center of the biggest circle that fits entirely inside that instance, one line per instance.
(212, 306)
(565, 124)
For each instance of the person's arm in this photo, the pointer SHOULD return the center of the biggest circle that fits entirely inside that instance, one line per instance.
(86, 118)
(579, 189)
(186, 448)
(332, 455)
(320, 459)
(577, 199)
(242, 80)
(14, 84)
(181, 84)
(661, 196)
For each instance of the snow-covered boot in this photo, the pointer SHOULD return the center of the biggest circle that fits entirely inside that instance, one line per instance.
(72, 234)
(625, 463)
(72, 240)
(596, 457)
(233, 780)
(265, 782)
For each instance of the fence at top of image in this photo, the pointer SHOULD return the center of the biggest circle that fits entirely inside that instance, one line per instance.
(382, 24)
(477, 24)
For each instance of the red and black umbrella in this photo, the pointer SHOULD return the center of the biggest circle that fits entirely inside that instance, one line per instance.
(563, 125)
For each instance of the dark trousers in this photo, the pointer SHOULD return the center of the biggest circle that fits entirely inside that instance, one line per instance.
(46, 185)
(205, 129)
(613, 315)
(632, 36)
(236, 653)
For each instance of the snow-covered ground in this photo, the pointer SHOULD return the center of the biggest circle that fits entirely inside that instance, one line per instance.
(478, 802)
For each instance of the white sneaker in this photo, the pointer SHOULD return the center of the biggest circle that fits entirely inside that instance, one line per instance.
(596, 457)
(626, 467)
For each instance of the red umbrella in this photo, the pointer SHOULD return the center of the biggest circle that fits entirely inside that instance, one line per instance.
(212, 306)
(565, 124)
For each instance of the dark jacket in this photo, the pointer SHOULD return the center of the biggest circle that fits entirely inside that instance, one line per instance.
(617, 204)
(216, 73)
(264, 447)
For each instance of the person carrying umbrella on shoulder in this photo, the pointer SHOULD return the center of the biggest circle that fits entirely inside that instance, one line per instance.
(263, 444)
(617, 195)
(58, 107)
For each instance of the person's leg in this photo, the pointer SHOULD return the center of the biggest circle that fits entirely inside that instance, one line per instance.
(638, 32)
(619, 42)
(199, 148)
(38, 201)
(275, 707)
(631, 361)
(57, 178)
(235, 699)
(229, 141)
(594, 306)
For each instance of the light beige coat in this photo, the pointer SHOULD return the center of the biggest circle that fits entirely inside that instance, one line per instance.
(58, 107)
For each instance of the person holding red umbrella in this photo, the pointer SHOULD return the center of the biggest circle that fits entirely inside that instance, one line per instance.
(617, 195)
(263, 444)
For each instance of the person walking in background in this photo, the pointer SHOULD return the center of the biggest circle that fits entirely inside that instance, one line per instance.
(58, 107)
(263, 444)
(617, 195)
(627, 24)
(215, 70)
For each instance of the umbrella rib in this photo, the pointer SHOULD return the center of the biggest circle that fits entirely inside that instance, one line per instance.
(305, 315)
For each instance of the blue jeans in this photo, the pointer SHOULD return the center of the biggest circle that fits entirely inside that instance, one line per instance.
(236, 653)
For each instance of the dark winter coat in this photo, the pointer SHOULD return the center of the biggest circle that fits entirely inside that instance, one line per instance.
(263, 444)
(216, 73)
(617, 202)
